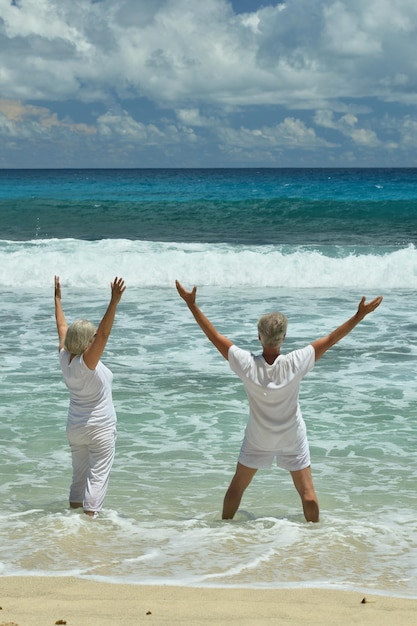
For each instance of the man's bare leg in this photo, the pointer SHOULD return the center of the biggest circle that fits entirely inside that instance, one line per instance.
(303, 482)
(240, 481)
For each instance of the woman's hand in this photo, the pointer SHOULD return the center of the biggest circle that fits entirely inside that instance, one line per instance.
(118, 287)
(57, 287)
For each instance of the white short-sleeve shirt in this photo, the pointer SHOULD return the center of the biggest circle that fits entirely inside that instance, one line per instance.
(275, 419)
(91, 399)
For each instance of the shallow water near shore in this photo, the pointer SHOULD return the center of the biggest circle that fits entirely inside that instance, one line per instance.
(181, 416)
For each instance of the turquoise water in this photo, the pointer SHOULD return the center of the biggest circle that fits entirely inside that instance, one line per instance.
(258, 207)
(181, 411)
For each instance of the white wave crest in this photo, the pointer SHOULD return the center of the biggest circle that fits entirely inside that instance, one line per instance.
(87, 264)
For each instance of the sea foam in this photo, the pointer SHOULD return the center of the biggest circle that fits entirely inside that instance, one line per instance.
(87, 264)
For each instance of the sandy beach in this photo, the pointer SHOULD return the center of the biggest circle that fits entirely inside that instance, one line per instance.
(40, 601)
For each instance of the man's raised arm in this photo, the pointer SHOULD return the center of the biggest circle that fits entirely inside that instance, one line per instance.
(321, 345)
(221, 342)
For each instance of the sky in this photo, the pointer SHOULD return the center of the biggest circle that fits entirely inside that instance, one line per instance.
(208, 83)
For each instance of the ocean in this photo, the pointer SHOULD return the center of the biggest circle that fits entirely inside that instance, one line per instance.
(310, 243)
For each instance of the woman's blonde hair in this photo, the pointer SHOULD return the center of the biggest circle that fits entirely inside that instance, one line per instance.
(79, 335)
(272, 328)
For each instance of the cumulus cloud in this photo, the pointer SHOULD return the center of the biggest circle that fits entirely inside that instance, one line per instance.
(347, 125)
(409, 132)
(121, 125)
(203, 68)
(291, 133)
(172, 50)
(20, 120)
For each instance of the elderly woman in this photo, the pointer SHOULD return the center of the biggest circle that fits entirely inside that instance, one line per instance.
(91, 423)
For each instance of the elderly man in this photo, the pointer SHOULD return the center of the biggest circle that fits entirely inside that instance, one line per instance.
(276, 428)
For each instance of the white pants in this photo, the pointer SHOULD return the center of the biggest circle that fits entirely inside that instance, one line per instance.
(92, 459)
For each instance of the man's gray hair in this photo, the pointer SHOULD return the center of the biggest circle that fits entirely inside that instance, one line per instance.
(272, 328)
(78, 336)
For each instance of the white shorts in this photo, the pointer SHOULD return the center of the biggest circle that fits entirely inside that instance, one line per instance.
(262, 459)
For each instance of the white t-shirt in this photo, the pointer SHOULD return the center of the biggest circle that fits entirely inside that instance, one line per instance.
(91, 399)
(275, 419)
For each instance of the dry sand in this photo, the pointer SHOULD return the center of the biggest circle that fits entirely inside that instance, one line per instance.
(38, 601)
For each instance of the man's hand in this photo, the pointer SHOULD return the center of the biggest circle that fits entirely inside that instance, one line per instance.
(188, 296)
(364, 308)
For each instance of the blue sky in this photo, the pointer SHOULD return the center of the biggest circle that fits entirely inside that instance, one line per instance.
(213, 83)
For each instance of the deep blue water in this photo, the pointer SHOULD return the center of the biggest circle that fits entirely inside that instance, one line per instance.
(375, 207)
